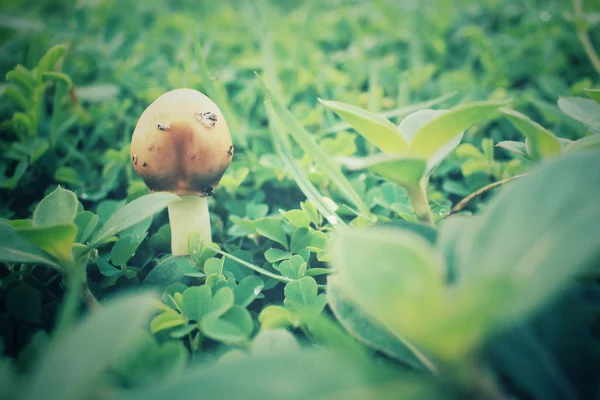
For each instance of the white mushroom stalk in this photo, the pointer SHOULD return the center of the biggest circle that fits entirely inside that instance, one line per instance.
(182, 144)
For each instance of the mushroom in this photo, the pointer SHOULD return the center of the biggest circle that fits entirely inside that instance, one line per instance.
(181, 144)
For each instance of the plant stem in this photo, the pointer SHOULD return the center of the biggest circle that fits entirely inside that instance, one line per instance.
(71, 301)
(583, 36)
(190, 214)
(461, 204)
(257, 268)
(420, 203)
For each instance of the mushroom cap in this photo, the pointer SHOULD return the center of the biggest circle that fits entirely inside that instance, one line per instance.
(182, 144)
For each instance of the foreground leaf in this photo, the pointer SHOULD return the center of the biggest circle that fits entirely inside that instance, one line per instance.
(16, 249)
(76, 361)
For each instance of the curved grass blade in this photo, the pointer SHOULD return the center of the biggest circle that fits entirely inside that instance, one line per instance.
(310, 146)
(305, 185)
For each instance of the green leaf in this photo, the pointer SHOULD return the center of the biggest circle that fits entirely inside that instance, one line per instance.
(415, 121)
(325, 374)
(270, 227)
(594, 94)
(517, 148)
(362, 327)
(71, 366)
(49, 60)
(586, 111)
(56, 240)
(67, 175)
(213, 266)
(125, 248)
(294, 268)
(400, 170)
(131, 214)
(22, 78)
(58, 77)
(196, 302)
(247, 290)
(297, 218)
(302, 296)
(274, 317)
(24, 303)
(220, 303)
(301, 239)
(541, 143)
(15, 249)
(59, 207)
(234, 326)
(288, 123)
(86, 222)
(274, 255)
(591, 142)
(386, 266)
(437, 133)
(166, 321)
(16, 97)
(376, 129)
(171, 270)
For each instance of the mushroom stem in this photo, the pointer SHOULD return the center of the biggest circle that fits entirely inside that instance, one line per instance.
(190, 214)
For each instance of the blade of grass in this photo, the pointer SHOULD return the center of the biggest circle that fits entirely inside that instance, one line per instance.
(217, 93)
(305, 185)
(310, 146)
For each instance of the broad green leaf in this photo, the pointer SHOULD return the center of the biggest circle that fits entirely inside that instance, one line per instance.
(302, 296)
(220, 302)
(213, 266)
(399, 170)
(301, 239)
(298, 218)
(234, 326)
(166, 321)
(59, 207)
(359, 325)
(274, 255)
(541, 143)
(517, 148)
(555, 211)
(24, 303)
(125, 248)
(594, 94)
(106, 269)
(270, 227)
(171, 270)
(415, 121)
(387, 266)
(591, 142)
(274, 340)
(293, 268)
(131, 214)
(67, 175)
(16, 249)
(586, 111)
(70, 368)
(290, 124)
(247, 290)
(376, 129)
(325, 375)
(196, 302)
(56, 240)
(437, 133)
(49, 60)
(274, 317)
